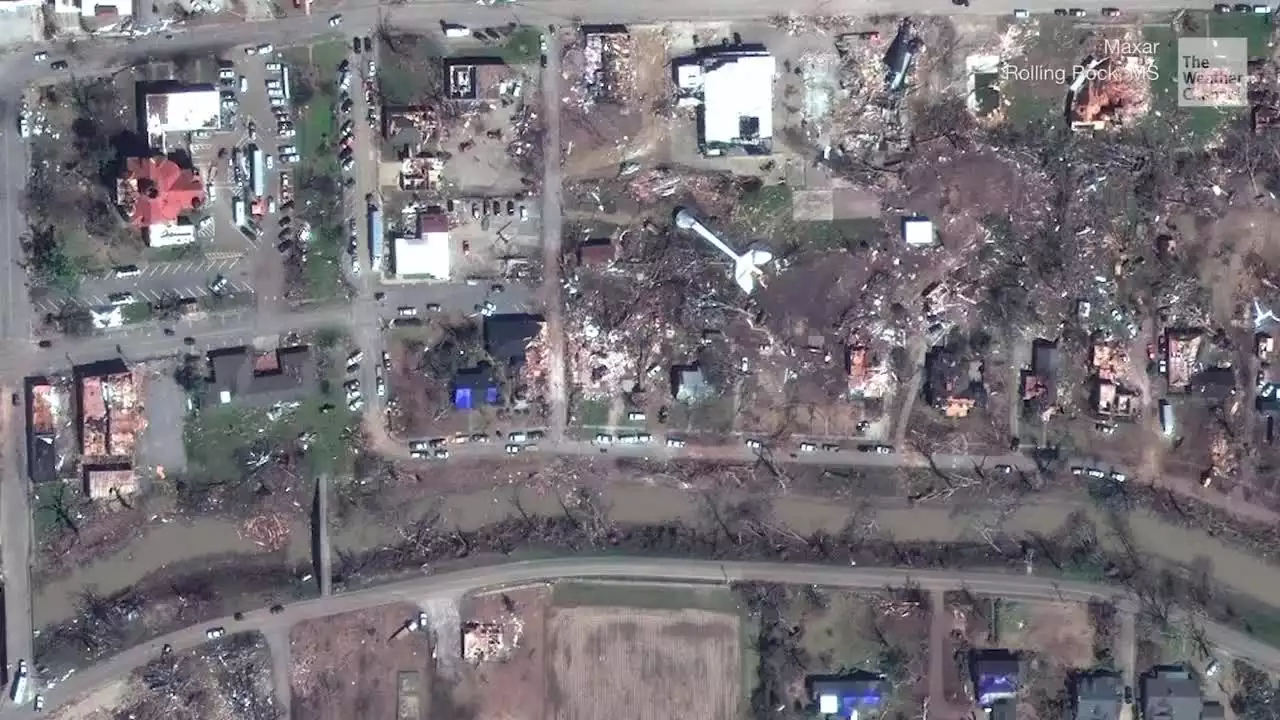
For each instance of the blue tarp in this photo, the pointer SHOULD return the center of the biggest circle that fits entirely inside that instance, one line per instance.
(462, 398)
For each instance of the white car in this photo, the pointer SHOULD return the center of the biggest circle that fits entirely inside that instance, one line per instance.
(603, 439)
(373, 68)
(1021, 14)
(1095, 473)
(274, 67)
(754, 444)
(675, 443)
(251, 51)
(214, 633)
(266, 49)
(356, 405)
(644, 438)
(355, 266)
(41, 56)
(335, 21)
(38, 705)
(808, 447)
(271, 162)
(381, 387)
(1118, 476)
(513, 449)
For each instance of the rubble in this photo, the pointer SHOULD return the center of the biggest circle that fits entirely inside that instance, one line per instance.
(486, 642)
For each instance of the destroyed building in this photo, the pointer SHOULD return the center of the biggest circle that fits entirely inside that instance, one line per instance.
(901, 56)
(870, 377)
(475, 78)
(103, 482)
(1040, 382)
(110, 412)
(45, 409)
(952, 383)
(1184, 357)
(732, 89)
(607, 69)
(596, 252)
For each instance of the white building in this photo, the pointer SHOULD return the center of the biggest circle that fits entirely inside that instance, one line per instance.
(736, 93)
(186, 110)
(170, 235)
(917, 231)
(429, 254)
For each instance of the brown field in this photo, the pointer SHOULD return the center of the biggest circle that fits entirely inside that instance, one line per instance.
(350, 666)
(647, 665)
(1060, 631)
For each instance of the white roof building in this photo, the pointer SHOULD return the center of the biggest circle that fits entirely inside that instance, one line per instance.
(737, 98)
(425, 256)
(171, 235)
(186, 110)
(917, 231)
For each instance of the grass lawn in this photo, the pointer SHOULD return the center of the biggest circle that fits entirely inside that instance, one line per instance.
(767, 213)
(1196, 126)
(136, 312)
(523, 46)
(220, 439)
(592, 413)
(840, 636)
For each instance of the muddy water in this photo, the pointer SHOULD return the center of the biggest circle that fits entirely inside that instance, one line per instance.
(172, 544)
(153, 549)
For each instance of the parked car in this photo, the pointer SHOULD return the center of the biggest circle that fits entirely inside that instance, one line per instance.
(59, 65)
(214, 633)
(1111, 12)
(675, 443)
(513, 449)
(603, 439)
(754, 444)
(807, 447)
(335, 21)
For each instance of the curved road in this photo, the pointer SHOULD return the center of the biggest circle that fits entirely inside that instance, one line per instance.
(451, 586)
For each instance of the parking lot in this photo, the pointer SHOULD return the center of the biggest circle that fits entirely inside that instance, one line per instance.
(490, 230)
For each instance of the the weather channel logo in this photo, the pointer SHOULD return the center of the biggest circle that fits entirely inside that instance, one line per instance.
(1213, 72)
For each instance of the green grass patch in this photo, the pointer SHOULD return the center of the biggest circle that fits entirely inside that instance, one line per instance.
(712, 598)
(54, 508)
(1194, 127)
(766, 205)
(840, 636)
(592, 413)
(1008, 619)
(221, 440)
(523, 46)
(137, 312)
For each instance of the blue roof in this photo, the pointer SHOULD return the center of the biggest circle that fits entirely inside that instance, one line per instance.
(462, 398)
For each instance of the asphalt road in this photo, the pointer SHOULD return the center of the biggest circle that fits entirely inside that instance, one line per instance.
(451, 586)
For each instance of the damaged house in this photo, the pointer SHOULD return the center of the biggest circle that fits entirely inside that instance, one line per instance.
(1109, 397)
(1040, 382)
(953, 383)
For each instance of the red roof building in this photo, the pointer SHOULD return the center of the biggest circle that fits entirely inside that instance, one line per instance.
(155, 191)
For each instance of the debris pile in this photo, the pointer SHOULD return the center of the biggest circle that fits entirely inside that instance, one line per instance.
(270, 532)
(601, 69)
(794, 24)
(484, 642)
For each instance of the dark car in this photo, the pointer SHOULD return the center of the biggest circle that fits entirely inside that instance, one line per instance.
(1128, 695)
(368, 44)
(543, 60)
(16, 400)
(45, 343)
(168, 332)
(355, 44)
(59, 65)
(1240, 8)
(239, 616)
(284, 246)
(1062, 12)
(1222, 8)
(277, 609)
(188, 340)
(493, 33)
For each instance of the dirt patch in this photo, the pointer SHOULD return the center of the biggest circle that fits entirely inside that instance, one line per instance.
(644, 664)
(362, 664)
(516, 685)
(1061, 631)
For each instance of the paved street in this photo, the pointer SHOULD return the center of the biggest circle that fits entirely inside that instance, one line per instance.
(552, 237)
(451, 586)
